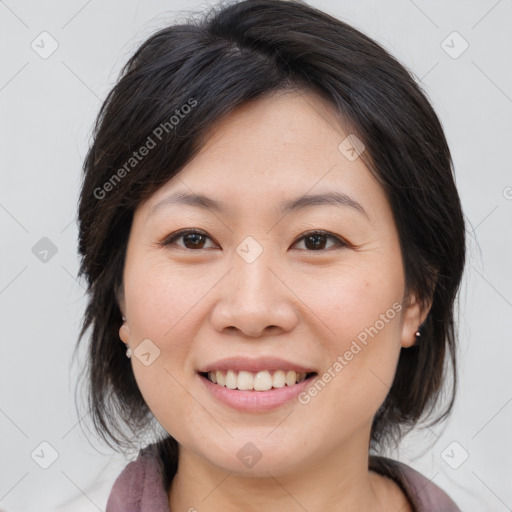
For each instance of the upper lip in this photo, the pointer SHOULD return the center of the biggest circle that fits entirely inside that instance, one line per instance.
(254, 365)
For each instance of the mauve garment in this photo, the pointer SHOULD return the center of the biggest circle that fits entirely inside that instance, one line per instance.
(140, 486)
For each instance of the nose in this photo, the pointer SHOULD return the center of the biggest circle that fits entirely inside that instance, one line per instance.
(255, 300)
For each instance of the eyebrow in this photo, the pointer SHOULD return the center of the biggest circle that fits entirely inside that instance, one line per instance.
(290, 206)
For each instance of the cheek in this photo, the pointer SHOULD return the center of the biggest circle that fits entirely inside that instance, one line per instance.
(163, 303)
(164, 392)
(361, 311)
(355, 303)
(162, 300)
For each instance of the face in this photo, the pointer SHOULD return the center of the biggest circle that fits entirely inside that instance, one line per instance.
(262, 296)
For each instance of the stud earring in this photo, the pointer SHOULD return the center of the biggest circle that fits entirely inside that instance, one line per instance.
(128, 353)
(124, 318)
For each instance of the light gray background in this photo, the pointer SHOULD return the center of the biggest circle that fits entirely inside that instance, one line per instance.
(48, 107)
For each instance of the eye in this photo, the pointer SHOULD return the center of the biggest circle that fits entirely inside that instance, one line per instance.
(195, 239)
(192, 237)
(316, 240)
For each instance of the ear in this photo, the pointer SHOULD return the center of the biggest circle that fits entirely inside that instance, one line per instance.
(119, 294)
(414, 315)
(124, 330)
(124, 333)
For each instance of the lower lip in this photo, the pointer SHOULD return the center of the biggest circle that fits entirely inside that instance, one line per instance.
(255, 401)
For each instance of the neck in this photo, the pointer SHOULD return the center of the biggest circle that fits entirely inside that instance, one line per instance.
(338, 481)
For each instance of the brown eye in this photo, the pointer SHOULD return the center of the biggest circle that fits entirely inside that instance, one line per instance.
(316, 240)
(192, 239)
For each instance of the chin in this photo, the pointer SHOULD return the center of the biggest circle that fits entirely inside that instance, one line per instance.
(255, 456)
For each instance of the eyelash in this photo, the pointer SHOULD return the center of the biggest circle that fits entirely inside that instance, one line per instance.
(169, 240)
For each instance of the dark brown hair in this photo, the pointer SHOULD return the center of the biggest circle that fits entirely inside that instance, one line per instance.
(234, 54)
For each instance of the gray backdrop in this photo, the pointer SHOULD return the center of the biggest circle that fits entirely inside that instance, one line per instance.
(59, 60)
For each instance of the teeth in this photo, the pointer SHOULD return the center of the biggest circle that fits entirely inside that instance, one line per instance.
(257, 381)
(231, 380)
(245, 380)
(278, 379)
(263, 381)
(291, 378)
(219, 376)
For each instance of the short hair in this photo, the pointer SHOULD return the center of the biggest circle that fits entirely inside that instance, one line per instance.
(231, 55)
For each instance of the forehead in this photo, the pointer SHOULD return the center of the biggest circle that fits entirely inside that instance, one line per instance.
(274, 150)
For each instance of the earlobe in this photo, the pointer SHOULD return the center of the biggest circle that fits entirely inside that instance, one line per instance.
(414, 316)
(124, 333)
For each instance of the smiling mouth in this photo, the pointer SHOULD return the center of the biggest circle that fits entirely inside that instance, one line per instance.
(256, 381)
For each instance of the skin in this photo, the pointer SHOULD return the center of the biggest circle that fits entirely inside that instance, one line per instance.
(295, 301)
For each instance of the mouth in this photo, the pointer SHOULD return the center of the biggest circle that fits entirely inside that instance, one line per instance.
(255, 385)
(258, 381)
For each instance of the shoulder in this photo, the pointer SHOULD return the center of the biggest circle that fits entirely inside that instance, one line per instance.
(424, 495)
(140, 486)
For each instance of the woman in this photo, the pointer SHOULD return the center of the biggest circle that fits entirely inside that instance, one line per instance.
(273, 243)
